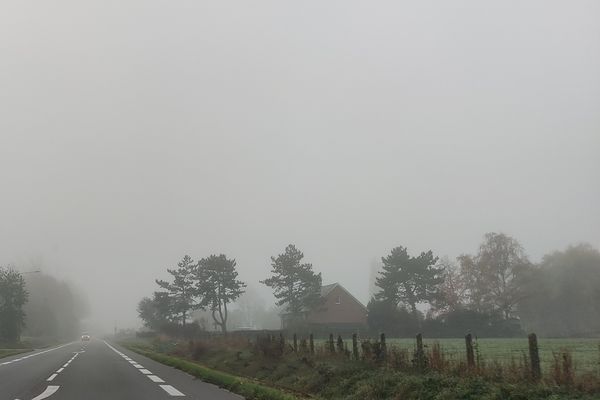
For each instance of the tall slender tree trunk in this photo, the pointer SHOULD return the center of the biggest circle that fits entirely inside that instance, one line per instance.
(224, 320)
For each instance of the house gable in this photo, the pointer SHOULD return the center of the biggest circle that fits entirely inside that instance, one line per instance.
(339, 307)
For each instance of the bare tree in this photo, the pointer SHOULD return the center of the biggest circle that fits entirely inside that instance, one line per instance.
(493, 274)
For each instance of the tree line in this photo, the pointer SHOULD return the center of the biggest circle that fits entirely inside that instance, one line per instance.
(211, 284)
(38, 306)
(496, 291)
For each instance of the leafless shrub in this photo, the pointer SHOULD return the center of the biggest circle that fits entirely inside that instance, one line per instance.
(399, 358)
(436, 358)
(562, 368)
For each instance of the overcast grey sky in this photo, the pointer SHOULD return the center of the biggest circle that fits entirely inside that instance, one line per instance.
(134, 132)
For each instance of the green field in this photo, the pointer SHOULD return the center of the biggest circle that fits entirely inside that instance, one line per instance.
(585, 352)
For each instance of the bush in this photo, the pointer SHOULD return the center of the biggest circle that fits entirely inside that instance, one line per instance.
(393, 320)
(457, 323)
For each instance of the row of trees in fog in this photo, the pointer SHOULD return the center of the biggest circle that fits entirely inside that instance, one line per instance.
(486, 286)
(496, 291)
(38, 306)
(562, 294)
(211, 284)
(55, 308)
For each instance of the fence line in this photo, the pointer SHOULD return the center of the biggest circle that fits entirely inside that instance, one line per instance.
(380, 351)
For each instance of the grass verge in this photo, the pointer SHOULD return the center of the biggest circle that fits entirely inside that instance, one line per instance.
(12, 352)
(243, 386)
(240, 366)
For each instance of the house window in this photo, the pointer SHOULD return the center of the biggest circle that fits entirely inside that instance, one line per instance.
(338, 300)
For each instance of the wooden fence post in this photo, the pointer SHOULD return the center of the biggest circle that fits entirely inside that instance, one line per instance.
(383, 346)
(420, 354)
(598, 360)
(295, 343)
(281, 343)
(534, 357)
(331, 345)
(311, 341)
(470, 353)
(355, 346)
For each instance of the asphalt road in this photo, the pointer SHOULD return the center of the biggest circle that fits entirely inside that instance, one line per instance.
(97, 370)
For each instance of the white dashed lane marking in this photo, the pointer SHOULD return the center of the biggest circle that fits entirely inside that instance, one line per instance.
(155, 379)
(58, 371)
(167, 388)
(171, 390)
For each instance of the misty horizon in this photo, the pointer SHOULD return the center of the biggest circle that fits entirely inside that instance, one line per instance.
(132, 136)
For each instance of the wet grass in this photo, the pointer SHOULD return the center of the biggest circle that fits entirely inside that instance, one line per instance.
(12, 352)
(250, 389)
(334, 376)
(585, 352)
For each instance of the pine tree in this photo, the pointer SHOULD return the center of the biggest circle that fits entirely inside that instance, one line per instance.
(409, 280)
(217, 285)
(181, 290)
(294, 283)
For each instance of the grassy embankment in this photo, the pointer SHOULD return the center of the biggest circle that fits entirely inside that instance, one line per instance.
(247, 387)
(26, 344)
(262, 373)
(7, 352)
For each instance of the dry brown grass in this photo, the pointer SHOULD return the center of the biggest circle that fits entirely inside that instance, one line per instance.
(275, 350)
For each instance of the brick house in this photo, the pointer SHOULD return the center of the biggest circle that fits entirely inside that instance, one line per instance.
(340, 312)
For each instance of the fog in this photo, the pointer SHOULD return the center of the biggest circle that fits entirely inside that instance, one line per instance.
(132, 133)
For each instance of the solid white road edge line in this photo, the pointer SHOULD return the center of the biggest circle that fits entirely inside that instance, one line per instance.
(171, 390)
(35, 354)
(50, 390)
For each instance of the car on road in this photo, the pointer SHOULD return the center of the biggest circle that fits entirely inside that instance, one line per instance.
(85, 337)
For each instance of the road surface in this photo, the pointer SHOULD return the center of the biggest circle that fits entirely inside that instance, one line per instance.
(97, 370)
